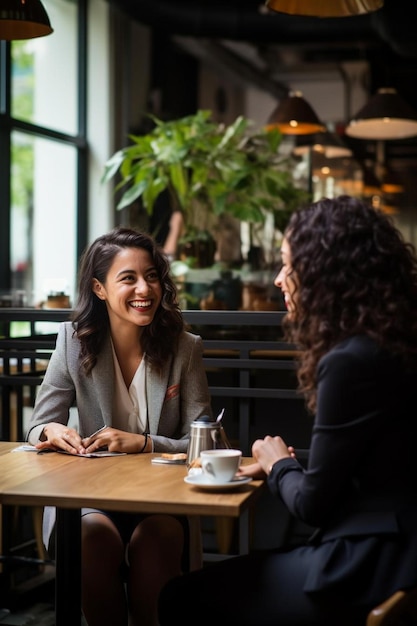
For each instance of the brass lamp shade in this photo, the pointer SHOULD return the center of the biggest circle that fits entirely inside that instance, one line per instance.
(23, 19)
(294, 116)
(329, 144)
(324, 8)
(385, 116)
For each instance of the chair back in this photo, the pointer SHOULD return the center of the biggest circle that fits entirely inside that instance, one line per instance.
(400, 609)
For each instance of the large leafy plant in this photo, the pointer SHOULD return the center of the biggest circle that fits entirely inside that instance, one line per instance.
(209, 169)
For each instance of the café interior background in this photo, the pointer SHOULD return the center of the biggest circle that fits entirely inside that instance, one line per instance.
(69, 100)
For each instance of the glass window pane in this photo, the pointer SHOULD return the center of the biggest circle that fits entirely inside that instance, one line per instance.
(44, 223)
(44, 72)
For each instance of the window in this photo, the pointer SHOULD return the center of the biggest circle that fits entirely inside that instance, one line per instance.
(43, 174)
(67, 101)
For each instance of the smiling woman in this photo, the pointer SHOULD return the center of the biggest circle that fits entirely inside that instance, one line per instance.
(132, 293)
(129, 365)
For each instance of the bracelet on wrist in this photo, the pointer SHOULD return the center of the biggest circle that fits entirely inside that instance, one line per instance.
(145, 444)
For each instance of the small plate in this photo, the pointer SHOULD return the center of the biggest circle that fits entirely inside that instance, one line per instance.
(200, 481)
(159, 460)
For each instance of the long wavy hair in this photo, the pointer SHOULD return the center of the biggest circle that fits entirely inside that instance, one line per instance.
(90, 318)
(356, 275)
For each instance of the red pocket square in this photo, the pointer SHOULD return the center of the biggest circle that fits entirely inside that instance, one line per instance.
(172, 392)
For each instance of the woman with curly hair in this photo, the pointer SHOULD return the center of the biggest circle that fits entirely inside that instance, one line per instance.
(349, 282)
(138, 380)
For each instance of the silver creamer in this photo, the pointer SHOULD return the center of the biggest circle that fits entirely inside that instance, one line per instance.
(205, 434)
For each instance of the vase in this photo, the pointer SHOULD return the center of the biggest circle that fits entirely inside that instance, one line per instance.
(202, 250)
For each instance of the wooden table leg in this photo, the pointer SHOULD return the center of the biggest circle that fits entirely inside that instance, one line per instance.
(225, 528)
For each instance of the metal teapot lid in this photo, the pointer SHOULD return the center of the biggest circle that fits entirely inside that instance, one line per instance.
(204, 421)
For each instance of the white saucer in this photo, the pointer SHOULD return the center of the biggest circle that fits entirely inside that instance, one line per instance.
(201, 481)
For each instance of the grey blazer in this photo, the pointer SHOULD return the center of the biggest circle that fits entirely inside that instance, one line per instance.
(175, 397)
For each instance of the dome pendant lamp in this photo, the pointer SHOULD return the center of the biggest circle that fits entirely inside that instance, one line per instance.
(23, 19)
(324, 8)
(385, 116)
(295, 116)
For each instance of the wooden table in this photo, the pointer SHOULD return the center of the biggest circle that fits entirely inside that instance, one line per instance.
(124, 483)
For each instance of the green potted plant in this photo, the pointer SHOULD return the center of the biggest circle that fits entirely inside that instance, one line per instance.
(209, 169)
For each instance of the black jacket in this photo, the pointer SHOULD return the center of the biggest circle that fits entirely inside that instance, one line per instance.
(360, 485)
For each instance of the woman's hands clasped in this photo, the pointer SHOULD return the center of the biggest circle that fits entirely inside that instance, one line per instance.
(266, 452)
(115, 440)
(60, 437)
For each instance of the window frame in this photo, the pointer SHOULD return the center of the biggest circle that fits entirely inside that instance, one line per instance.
(79, 141)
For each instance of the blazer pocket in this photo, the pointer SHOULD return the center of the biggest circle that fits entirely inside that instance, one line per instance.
(172, 392)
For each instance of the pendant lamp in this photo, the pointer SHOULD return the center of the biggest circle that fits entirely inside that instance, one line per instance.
(329, 144)
(324, 8)
(295, 116)
(385, 116)
(23, 19)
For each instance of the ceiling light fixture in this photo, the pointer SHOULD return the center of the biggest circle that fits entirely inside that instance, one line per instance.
(325, 8)
(295, 116)
(385, 116)
(23, 19)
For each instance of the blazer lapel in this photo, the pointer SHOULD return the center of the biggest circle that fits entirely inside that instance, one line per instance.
(103, 379)
(156, 387)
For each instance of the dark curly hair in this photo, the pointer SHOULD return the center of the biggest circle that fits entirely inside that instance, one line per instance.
(90, 318)
(356, 275)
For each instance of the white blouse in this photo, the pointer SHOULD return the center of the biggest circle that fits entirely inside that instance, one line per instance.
(130, 407)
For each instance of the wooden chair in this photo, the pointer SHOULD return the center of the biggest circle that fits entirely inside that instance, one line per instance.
(400, 609)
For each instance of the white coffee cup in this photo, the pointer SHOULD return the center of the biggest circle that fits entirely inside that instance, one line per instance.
(220, 465)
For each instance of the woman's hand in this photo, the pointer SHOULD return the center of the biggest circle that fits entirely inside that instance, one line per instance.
(263, 450)
(269, 450)
(60, 437)
(253, 469)
(115, 440)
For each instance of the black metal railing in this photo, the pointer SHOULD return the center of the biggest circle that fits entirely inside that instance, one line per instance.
(250, 369)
